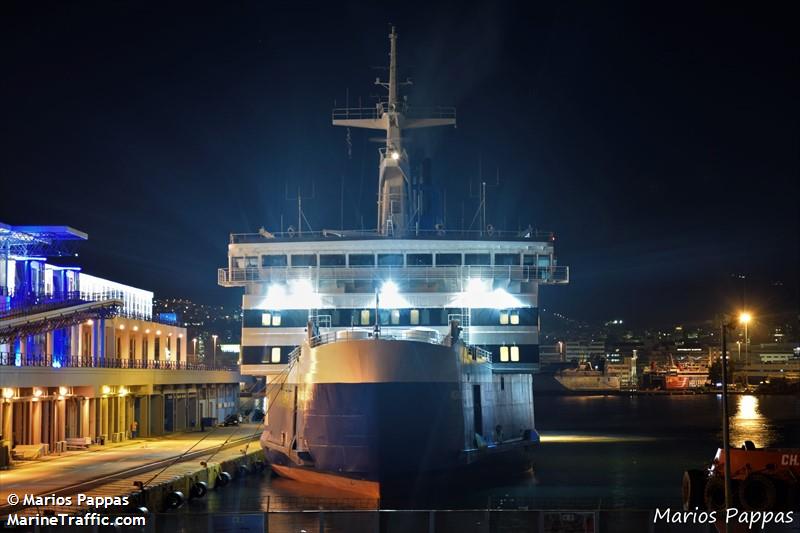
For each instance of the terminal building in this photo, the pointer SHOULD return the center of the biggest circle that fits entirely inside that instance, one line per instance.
(84, 361)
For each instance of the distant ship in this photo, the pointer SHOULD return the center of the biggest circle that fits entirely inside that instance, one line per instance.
(686, 375)
(397, 352)
(681, 375)
(584, 378)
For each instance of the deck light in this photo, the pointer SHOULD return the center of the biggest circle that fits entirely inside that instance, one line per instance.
(390, 297)
(389, 287)
(122, 326)
(476, 286)
(89, 322)
(105, 389)
(8, 393)
(37, 392)
(135, 328)
(395, 155)
(62, 391)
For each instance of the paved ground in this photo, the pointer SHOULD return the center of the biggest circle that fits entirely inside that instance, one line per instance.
(57, 472)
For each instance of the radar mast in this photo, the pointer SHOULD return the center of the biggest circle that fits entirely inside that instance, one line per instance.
(393, 116)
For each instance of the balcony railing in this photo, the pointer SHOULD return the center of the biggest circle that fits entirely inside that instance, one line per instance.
(88, 361)
(241, 276)
(17, 305)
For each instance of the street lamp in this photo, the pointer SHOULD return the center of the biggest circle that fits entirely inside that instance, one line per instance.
(744, 319)
(214, 338)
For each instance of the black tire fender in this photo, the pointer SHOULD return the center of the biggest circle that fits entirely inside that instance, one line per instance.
(714, 493)
(693, 489)
(223, 479)
(199, 489)
(758, 493)
(174, 499)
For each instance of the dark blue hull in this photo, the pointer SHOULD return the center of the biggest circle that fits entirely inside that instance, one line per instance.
(381, 432)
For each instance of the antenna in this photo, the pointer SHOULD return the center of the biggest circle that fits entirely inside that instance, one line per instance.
(481, 211)
(300, 216)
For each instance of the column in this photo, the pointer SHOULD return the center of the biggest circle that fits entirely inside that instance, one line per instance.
(85, 425)
(103, 418)
(61, 419)
(36, 422)
(93, 416)
(144, 416)
(7, 420)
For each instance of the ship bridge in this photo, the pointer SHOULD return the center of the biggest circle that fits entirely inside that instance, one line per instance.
(350, 280)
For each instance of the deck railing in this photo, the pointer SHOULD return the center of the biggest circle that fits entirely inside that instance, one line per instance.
(428, 336)
(375, 112)
(240, 276)
(529, 234)
(88, 361)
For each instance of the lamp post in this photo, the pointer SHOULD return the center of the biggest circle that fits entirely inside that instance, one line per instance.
(214, 338)
(194, 349)
(726, 447)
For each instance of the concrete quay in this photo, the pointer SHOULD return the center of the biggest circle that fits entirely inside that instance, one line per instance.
(157, 463)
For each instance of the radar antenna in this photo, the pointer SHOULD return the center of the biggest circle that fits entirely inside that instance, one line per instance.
(393, 115)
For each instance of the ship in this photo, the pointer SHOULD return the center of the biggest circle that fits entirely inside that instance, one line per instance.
(687, 374)
(585, 378)
(399, 353)
(681, 375)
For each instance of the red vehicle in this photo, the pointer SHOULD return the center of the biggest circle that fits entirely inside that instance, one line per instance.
(762, 479)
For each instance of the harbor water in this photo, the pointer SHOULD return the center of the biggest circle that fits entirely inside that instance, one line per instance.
(597, 452)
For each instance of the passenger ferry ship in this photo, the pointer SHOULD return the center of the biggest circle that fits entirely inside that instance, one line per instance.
(398, 352)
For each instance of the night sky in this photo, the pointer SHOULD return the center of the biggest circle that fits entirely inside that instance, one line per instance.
(659, 142)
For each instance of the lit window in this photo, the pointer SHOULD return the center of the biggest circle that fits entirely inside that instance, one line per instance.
(514, 318)
(414, 316)
(504, 318)
(365, 317)
(266, 319)
(504, 354)
(276, 319)
(276, 355)
(395, 317)
(515, 353)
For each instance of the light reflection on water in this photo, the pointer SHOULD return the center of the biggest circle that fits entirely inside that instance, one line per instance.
(748, 423)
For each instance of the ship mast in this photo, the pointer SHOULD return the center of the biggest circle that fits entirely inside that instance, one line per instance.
(393, 116)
